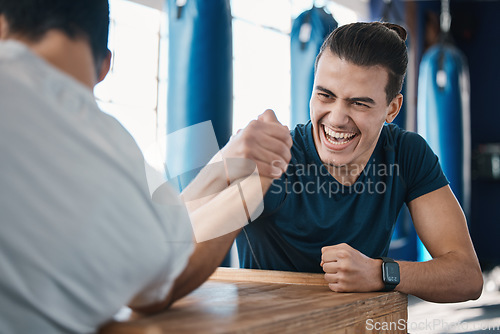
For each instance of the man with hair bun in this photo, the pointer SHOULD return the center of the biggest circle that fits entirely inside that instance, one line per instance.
(366, 169)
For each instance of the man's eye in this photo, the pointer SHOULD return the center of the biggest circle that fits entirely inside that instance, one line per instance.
(359, 104)
(324, 96)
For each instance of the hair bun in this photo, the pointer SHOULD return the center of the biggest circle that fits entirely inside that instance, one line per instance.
(398, 29)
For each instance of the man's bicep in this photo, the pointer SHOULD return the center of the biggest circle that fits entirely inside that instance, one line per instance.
(440, 222)
(421, 170)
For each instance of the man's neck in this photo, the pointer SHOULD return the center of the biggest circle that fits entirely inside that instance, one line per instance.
(72, 56)
(346, 174)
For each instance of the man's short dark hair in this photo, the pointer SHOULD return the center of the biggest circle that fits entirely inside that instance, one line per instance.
(372, 44)
(88, 19)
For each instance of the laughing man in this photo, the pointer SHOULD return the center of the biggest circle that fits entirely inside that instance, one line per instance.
(335, 208)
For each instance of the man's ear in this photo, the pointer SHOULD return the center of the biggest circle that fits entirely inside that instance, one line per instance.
(4, 27)
(393, 108)
(105, 66)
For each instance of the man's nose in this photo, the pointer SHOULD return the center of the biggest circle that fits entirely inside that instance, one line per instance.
(338, 114)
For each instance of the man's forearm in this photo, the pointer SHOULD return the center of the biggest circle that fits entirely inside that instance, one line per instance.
(448, 278)
(227, 194)
(454, 274)
(207, 256)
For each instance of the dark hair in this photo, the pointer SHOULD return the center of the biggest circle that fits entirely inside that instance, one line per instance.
(88, 19)
(371, 44)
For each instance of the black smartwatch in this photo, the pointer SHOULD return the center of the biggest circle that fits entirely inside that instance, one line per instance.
(390, 273)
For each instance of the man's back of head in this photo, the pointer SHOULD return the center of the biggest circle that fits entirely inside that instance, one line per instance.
(87, 19)
(80, 236)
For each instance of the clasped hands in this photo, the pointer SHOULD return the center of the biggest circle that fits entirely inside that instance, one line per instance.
(266, 142)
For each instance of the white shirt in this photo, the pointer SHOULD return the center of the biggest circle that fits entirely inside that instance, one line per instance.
(79, 234)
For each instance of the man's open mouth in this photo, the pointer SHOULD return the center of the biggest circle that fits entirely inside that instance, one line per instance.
(338, 138)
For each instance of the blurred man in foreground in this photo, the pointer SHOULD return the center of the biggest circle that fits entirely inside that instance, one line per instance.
(81, 236)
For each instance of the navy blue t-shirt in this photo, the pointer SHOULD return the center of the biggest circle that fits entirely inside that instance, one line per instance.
(307, 208)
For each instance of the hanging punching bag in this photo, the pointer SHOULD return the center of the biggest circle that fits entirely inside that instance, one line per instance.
(200, 84)
(443, 114)
(308, 33)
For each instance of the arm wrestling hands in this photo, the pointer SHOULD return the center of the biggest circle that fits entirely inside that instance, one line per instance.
(267, 143)
(264, 141)
(237, 178)
(263, 144)
(453, 275)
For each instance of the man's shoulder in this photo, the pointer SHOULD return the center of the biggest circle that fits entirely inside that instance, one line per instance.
(418, 164)
(11, 50)
(299, 133)
(303, 143)
(399, 139)
(16, 68)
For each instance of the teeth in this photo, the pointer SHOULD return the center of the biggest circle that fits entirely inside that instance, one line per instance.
(337, 142)
(338, 135)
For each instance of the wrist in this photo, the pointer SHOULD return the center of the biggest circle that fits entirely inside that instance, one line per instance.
(379, 283)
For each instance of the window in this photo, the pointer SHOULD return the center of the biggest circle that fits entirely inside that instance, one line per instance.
(134, 91)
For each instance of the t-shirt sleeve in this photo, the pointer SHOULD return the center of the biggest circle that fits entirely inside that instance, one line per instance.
(275, 196)
(177, 250)
(422, 171)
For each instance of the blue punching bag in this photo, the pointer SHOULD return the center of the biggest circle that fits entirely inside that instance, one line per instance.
(443, 115)
(200, 84)
(308, 33)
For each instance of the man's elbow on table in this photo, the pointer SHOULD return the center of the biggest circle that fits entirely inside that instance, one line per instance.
(154, 308)
(470, 282)
(474, 289)
(469, 276)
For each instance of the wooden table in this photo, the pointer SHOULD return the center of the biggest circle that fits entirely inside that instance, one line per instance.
(259, 301)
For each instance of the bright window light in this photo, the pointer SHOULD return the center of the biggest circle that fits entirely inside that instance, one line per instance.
(131, 89)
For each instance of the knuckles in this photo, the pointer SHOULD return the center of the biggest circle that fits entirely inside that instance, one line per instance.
(342, 254)
(254, 125)
(247, 142)
(345, 266)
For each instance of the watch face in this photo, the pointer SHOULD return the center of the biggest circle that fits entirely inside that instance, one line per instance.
(391, 273)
